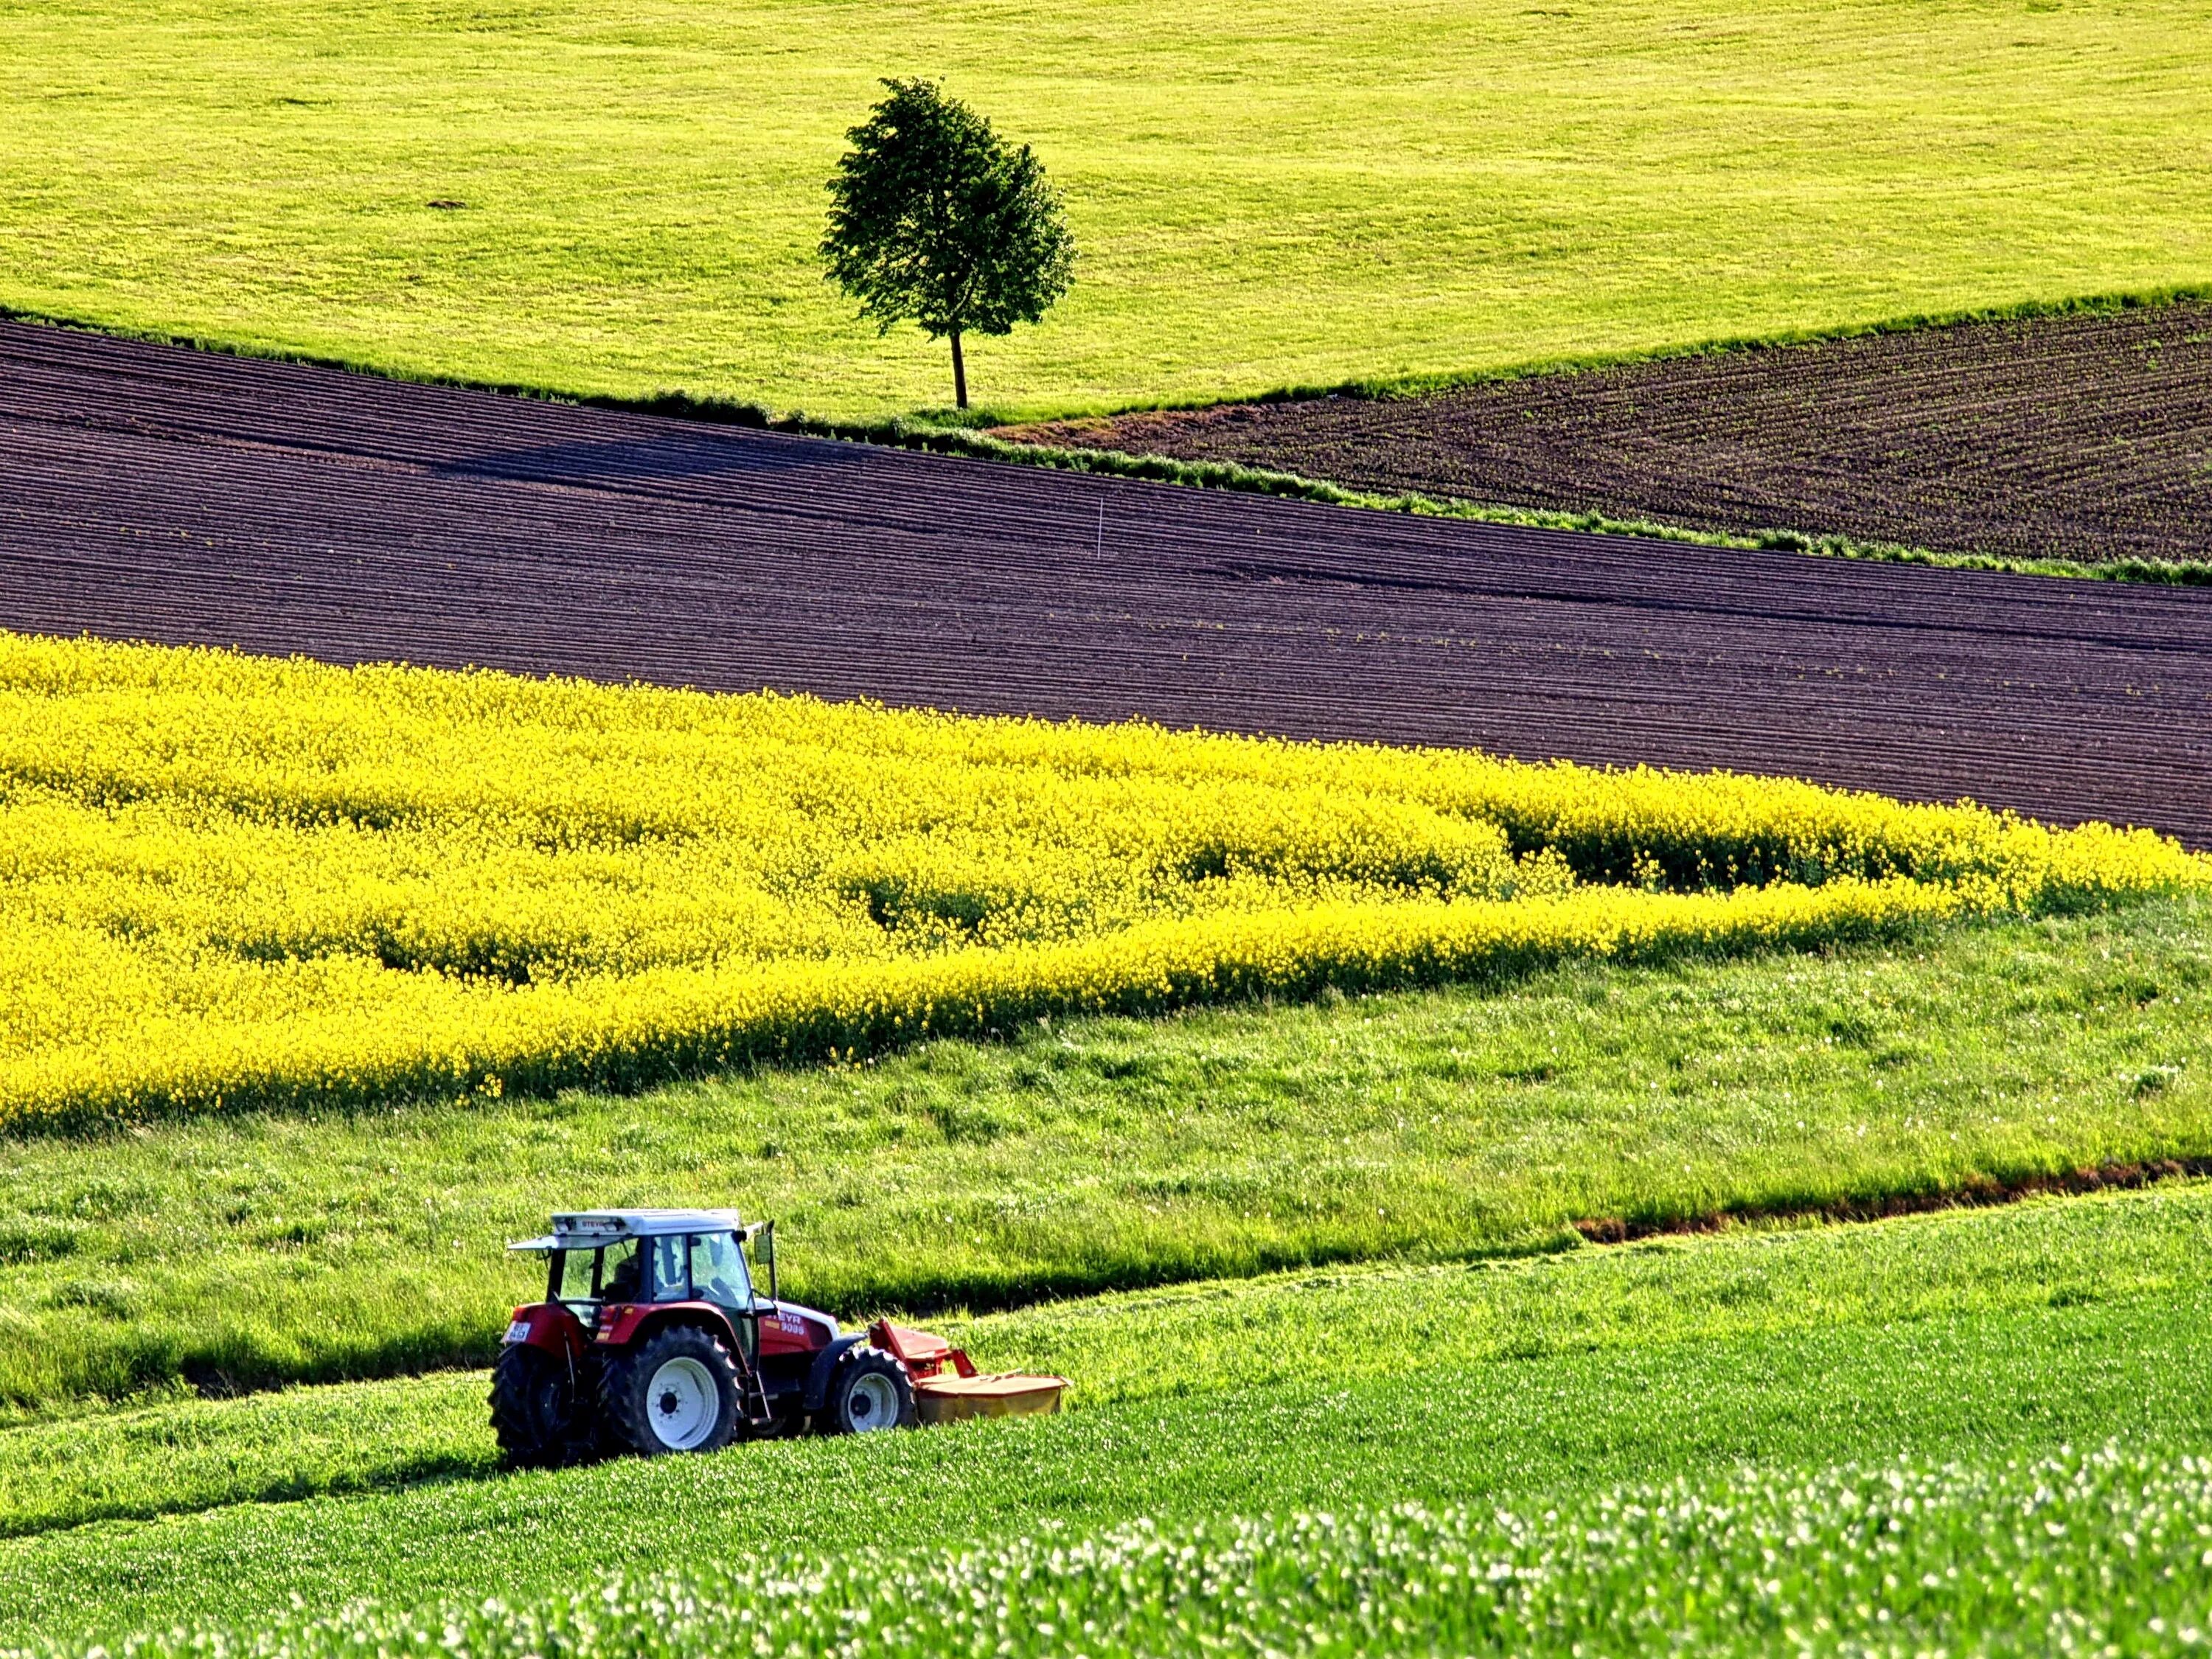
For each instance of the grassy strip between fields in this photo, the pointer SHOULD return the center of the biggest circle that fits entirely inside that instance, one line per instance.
(1974, 1335)
(1348, 1324)
(1230, 474)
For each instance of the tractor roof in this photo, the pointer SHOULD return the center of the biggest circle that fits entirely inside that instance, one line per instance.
(589, 1230)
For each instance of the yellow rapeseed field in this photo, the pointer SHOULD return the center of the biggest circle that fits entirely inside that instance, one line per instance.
(232, 881)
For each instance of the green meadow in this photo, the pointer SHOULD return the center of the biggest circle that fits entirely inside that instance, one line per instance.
(1973, 1337)
(2079, 1551)
(256, 1250)
(1303, 1260)
(1267, 194)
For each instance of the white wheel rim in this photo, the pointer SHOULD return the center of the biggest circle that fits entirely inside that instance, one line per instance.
(682, 1404)
(873, 1403)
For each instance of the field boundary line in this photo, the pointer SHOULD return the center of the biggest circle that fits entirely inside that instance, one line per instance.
(1390, 387)
(1234, 475)
(1975, 1192)
(682, 405)
(971, 438)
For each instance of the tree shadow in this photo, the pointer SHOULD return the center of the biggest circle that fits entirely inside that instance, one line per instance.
(677, 456)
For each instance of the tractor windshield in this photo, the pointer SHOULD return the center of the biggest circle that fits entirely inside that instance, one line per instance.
(660, 1268)
(718, 1271)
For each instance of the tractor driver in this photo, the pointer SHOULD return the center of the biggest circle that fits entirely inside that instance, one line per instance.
(619, 1279)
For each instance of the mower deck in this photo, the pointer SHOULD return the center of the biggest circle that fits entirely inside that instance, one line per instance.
(1007, 1394)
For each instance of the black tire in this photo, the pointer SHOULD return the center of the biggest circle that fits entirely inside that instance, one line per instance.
(535, 1411)
(677, 1391)
(870, 1390)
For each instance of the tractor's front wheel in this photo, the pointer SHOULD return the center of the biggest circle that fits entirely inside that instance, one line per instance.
(535, 1411)
(675, 1392)
(871, 1390)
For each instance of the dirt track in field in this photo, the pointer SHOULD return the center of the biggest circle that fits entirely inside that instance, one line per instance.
(155, 494)
(2085, 437)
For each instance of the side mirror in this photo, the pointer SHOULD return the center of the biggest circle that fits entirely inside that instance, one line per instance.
(767, 1231)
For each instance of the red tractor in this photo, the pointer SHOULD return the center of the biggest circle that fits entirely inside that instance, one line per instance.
(653, 1338)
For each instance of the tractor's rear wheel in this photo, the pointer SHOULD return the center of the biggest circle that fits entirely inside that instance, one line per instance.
(535, 1409)
(871, 1390)
(675, 1392)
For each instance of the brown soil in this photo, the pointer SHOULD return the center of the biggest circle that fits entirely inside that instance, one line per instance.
(2085, 437)
(159, 494)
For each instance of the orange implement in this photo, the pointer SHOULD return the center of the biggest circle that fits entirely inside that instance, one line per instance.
(955, 1399)
(947, 1387)
(921, 1354)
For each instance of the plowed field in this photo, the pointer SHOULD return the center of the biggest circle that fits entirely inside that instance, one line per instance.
(157, 494)
(2086, 437)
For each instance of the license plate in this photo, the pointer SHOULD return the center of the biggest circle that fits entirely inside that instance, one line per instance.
(518, 1331)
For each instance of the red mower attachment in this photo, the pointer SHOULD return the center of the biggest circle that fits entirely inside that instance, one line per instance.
(947, 1387)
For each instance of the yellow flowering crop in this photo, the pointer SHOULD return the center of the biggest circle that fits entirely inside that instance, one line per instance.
(226, 880)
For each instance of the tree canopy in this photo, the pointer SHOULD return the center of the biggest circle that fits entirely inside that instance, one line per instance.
(935, 217)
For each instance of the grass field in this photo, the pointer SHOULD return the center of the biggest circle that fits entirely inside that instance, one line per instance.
(264, 1247)
(1978, 1336)
(2072, 1551)
(1442, 187)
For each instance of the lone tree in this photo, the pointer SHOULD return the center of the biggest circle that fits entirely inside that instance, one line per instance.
(934, 217)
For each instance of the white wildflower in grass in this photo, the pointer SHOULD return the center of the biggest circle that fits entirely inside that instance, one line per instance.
(1895, 1559)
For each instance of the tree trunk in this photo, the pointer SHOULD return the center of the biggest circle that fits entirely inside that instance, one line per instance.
(959, 374)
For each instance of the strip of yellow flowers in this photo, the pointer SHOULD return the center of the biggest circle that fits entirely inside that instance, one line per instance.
(226, 881)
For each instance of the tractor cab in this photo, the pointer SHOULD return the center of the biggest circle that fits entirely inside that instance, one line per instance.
(614, 1270)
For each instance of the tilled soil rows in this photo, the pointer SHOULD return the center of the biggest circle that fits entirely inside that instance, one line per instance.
(158, 493)
(2085, 437)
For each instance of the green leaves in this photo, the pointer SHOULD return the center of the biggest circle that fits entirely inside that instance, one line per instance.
(935, 217)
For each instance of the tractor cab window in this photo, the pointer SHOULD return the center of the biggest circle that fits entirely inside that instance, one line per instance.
(669, 1282)
(718, 1271)
(621, 1268)
(577, 1276)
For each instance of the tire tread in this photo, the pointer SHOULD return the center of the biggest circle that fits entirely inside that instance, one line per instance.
(624, 1377)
